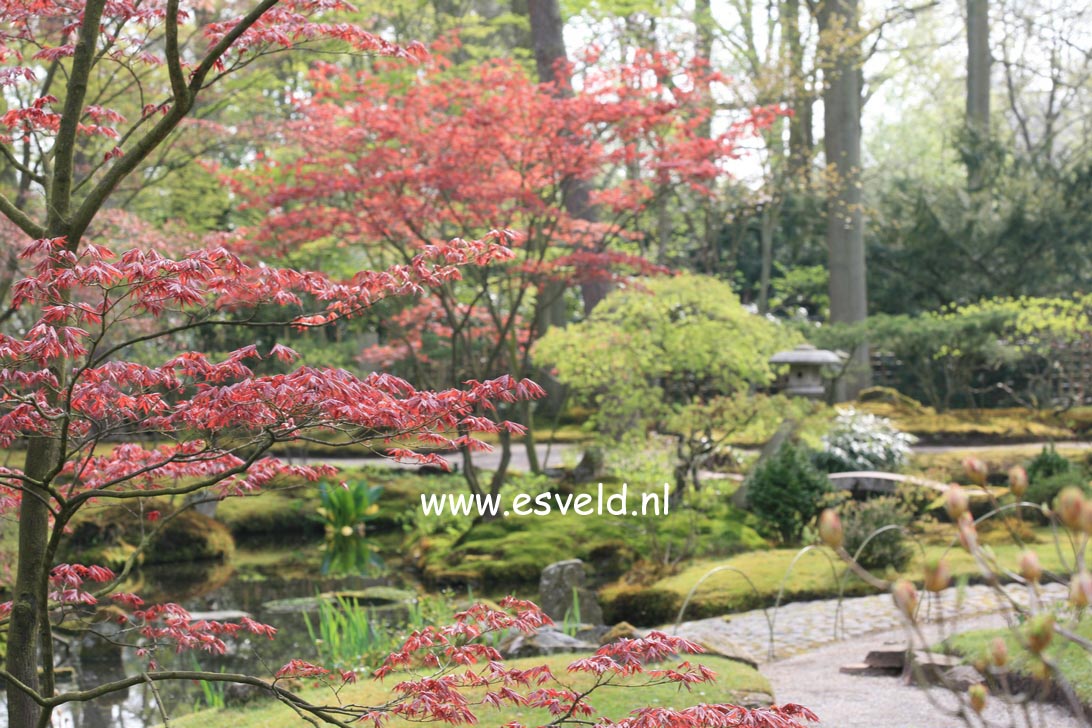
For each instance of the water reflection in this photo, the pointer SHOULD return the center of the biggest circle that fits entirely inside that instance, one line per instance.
(199, 588)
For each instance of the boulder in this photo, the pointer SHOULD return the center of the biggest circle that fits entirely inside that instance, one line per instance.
(544, 641)
(622, 630)
(556, 589)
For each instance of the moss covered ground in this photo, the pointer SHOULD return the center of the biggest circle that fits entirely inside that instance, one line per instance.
(734, 681)
(1073, 661)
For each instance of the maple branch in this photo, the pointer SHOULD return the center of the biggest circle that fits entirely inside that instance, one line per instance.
(285, 696)
(174, 61)
(20, 218)
(64, 159)
(158, 133)
(30, 173)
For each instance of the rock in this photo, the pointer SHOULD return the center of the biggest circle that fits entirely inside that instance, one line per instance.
(556, 587)
(886, 659)
(931, 667)
(622, 630)
(545, 641)
(220, 615)
(961, 677)
(378, 599)
(752, 700)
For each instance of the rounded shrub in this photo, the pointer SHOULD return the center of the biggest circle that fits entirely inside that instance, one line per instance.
(786, 491)
(860, 519)
(1045, 489)
(1047, 464)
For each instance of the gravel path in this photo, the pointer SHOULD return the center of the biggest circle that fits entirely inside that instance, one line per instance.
(856, 701)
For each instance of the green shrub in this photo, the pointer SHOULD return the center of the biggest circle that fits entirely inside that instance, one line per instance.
(1047, 464)
(786, 491)
(861, 519)
(643, 607)
(1045, 490)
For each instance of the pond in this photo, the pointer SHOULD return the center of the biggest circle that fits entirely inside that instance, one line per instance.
(214, 591)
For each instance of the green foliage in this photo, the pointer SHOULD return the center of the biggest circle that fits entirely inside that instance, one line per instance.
(354, 637)
(786, 491)
(861, 519)
(995, 351)
(1046, 489)
(860, 441)
(801, 288)
(1047, 464)
(346, 508)
(649, 352)
(1027, 232)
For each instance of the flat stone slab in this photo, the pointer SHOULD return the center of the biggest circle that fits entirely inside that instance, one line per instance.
(886, 659)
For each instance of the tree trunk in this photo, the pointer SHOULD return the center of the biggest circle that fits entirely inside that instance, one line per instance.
(801, 141)
(548, 37)
(767, 221)
(978, 87)
(840, 45)
(29, 594)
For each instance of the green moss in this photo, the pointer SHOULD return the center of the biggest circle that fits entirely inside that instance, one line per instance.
(734, 682)
(814, 577)
(995, 425)
(510, 552)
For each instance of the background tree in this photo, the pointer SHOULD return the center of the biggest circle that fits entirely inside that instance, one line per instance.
(435, 154)
(670, 356)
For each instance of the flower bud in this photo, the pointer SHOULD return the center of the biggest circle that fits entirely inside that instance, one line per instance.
(1029, 567)
(346, 531)
(999, 652)
(1068, 505)
(938, 575)
(955, 501)
(977, 694)
(1018, 481)
(830, 528)
(1040, 632)
(976, 470)
(906, 597)
(1080, 589)
(968, 532)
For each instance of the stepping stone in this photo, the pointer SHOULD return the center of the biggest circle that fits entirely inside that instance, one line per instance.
(886, 659)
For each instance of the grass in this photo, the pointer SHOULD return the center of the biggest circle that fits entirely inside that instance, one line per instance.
(734, 680)
(1074, 662)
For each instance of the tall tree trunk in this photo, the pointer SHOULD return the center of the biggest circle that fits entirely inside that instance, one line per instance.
(978, 87)
(548, 37)
(767, 221)
(840, 46)
(29, 593)
(801, 139)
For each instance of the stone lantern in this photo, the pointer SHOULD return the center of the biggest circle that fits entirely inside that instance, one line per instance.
(806, 364)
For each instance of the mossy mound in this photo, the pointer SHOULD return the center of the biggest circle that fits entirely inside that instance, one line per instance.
(111, 535)
(1000, 425)
(510, 553)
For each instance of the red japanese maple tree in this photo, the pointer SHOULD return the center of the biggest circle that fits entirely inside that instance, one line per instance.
(394, 162)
